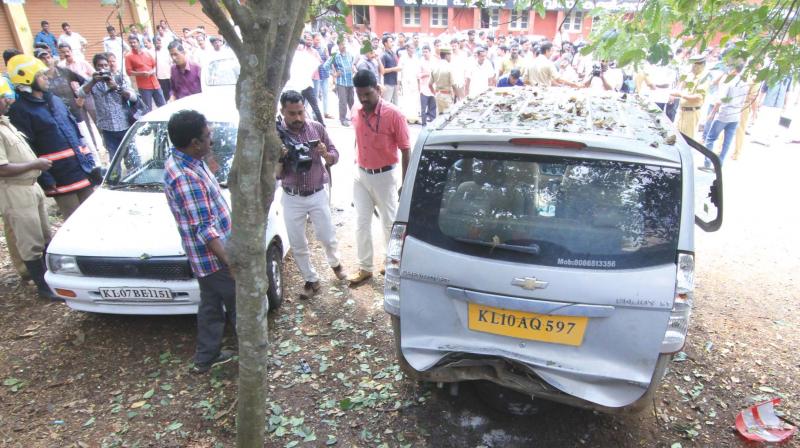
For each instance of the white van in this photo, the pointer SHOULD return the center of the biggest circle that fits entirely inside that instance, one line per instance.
(120, 252)
(545, 242)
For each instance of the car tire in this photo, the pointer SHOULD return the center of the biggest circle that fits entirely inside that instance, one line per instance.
(275, 290)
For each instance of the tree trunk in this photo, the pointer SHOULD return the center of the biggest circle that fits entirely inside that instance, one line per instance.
(270, 31)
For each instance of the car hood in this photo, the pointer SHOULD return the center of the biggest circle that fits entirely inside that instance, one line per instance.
(120, 223)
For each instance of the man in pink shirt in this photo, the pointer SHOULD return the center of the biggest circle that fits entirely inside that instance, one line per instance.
(140, 64)
(381, 130)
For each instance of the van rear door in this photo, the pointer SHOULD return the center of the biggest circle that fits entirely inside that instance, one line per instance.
(565, 264)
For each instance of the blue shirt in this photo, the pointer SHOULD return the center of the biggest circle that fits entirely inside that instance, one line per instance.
(49, 39)
(344, 65)
(503, 82)
(200, 211)
(389, 60)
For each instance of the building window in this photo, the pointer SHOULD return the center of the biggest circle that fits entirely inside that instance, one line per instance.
(573, 21)
(361, 15)
(519, 20)
(490, 17)
(439, 17)
(410, 16)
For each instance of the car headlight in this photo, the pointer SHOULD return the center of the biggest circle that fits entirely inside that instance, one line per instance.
(63, 264)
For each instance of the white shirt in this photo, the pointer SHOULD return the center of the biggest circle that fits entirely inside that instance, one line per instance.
(115, 46)
(74, 41)
(479, 76)
(301, 71)
(163, 63)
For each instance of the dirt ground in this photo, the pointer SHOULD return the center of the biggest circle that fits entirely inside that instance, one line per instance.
(71, 379)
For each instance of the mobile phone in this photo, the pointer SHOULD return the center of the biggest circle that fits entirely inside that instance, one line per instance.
(312, 143)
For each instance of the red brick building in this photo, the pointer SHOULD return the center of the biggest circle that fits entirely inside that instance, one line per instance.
(435, 17)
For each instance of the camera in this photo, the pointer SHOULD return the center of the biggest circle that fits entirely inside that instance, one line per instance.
(597, 69)
(105, 75)
(298, 155)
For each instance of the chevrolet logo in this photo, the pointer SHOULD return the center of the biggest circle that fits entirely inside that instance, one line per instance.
(529, 283)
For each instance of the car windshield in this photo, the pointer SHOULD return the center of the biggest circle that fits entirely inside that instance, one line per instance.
(554, 211)
(223, 72)
(141, 156)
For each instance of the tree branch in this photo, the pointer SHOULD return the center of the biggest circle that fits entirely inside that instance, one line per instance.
(567, 14)
(212, 9)
(240, 14)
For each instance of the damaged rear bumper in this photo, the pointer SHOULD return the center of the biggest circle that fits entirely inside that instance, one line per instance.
(518, 377)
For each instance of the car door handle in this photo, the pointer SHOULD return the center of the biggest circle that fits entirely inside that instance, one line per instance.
(530, 305)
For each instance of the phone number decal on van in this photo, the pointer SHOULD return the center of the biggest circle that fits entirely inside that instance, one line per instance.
(587, 263)
(566, 330)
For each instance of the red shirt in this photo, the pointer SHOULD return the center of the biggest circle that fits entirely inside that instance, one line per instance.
(142, 62)
(379, 135)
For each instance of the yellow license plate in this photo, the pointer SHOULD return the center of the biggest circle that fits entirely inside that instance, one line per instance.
(566, 330)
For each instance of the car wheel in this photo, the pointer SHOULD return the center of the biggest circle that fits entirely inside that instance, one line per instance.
(275, 276)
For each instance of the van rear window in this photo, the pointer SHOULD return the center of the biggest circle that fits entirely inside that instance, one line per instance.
(554, 211)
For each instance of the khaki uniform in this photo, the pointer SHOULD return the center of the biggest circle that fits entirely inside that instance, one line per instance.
(442, 77)
(21, 198)
(690, 110)
(749, 103)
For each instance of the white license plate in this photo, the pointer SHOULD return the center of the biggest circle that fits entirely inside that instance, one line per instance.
(136, 293)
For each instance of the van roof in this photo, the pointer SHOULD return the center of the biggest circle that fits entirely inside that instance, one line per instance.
(609, 118)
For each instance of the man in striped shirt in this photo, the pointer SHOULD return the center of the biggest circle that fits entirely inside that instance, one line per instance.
(204, 223)
(342, 63)
(304, 189)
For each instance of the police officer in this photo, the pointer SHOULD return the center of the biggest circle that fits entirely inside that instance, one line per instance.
(692, 95)
(21, 199)
(441, 81)
(52, 133)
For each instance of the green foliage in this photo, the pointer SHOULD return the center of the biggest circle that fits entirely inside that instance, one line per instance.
(764, 35)
(333, 12)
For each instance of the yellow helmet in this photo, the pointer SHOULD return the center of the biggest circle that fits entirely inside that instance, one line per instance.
(22, 69)
(6, 89)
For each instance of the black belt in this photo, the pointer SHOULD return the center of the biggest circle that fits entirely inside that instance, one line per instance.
(690, 108)
(377, 170)
(303, 193)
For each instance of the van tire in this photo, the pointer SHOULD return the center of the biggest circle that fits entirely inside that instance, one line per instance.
(275, 290)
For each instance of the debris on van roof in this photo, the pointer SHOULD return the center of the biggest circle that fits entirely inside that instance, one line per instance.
(531, 109)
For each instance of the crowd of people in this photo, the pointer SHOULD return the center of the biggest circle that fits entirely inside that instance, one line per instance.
(426, 75)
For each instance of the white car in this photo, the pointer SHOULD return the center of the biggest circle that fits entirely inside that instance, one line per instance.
(120, 252)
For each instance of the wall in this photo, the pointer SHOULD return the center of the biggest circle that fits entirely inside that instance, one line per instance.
(548, 25)
(6, 36)
(85, 17)
(180, 14)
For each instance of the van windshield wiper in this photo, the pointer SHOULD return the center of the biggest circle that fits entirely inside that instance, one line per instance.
(531, 247)
(122, 185)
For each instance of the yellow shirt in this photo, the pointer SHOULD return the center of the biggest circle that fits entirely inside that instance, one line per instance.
(15, 149)
(442, 77)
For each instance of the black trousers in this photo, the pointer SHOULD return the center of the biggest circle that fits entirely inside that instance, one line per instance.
(166, 87)
(217, 304)
(311, 99)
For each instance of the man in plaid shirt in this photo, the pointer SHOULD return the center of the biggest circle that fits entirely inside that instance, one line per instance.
(343, 69)
(204, 223)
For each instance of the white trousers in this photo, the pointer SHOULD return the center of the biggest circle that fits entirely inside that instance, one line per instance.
(83, 126)
(373, 191)
(295, 211)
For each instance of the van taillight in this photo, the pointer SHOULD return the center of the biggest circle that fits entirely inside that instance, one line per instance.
(547, 142)
(678, 326)
(391, 281)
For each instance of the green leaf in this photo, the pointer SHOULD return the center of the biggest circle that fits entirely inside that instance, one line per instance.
(346, 404)
(11, 381)
(310, 437)
(174, 426)
(166, 387)
(332, 440)
(148, 394)
(635, 54)
(291, 444)
(281, 431)
(88, 423)
(276, 409)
